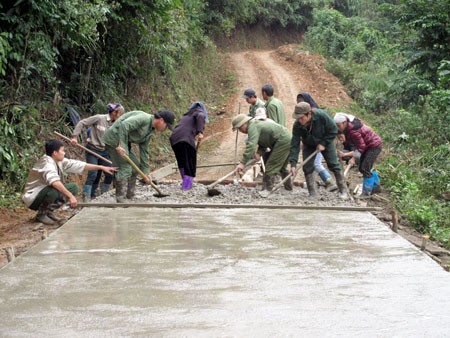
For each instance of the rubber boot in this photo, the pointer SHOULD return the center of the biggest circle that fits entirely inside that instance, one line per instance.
(42, 215)
(267, 182)
(187, 182)
(341, 185)
(94, 191)
(121, 191)
(288, 183)
(51, 212)
(325, 175)
(311, 185)
(87, 191)
(376, 183)
(104, 188)
(367, 187)
(330, 185)
(131, 187)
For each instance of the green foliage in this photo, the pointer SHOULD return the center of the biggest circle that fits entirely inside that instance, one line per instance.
(425, 213)
(19, 128)
(5, 49)
(393, 58)
(223, 16)
(427, 33)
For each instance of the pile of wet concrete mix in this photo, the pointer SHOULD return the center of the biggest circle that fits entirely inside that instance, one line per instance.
(229, 194)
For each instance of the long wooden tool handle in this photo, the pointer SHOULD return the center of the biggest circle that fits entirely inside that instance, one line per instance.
(139, 171)
(347, 170)
(275, 188)
(81, 147)
(212, 185)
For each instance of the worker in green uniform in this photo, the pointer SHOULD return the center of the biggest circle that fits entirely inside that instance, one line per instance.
(274, 107)
(263, 135)
(253, 101)
(317, 131)
(133, 127)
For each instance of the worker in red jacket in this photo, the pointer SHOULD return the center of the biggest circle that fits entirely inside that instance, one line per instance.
(367, 143)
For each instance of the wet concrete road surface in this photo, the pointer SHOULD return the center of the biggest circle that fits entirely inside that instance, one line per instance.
(139, 272)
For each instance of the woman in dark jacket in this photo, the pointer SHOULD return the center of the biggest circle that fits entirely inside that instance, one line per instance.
(186, 133)
(366, 142)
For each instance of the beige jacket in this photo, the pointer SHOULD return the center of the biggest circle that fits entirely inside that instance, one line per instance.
(98, 124)
(45, 172)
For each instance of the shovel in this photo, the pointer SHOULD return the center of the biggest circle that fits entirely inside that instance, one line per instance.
(145, 177)
(266, 193)
(215, 192)
(81, 147)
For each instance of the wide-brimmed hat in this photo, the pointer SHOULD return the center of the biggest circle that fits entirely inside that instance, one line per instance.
(301, 108)
(240, 120)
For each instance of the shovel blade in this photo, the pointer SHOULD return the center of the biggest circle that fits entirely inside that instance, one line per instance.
(213, 192)
(160, 195)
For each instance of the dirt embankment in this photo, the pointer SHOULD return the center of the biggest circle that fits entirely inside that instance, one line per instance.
(291, 71)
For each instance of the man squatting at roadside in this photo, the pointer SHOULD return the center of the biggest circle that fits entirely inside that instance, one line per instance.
(46, 190)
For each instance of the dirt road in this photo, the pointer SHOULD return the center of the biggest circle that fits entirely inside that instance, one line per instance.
(290, 71)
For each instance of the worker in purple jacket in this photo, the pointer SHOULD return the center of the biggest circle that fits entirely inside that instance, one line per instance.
(367, 143)
(183, 141)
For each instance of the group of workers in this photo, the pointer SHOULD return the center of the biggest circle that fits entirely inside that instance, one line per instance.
(111, 136)
(314, 131)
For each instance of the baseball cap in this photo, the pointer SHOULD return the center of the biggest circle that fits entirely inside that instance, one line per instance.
(248, 93)
(167, 116)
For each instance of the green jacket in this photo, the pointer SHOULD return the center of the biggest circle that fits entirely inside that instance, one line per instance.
(132, 127)
(258, 104)
(263, 135)
(275, 111)
(322, 130)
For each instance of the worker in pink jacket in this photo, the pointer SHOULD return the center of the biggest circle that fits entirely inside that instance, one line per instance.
(367, 143)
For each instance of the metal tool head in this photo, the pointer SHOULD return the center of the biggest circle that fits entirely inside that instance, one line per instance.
(160, 195)
(213, 192)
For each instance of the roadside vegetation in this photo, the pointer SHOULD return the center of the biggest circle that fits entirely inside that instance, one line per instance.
(392, 55)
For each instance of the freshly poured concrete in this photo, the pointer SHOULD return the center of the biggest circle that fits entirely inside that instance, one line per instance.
(224, 273)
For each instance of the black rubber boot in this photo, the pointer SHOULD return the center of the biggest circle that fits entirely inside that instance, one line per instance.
(329, 185)
(288, 184)
(131, 189)
(121, 191)
(267, 182)
(311, 185)
(341, 185)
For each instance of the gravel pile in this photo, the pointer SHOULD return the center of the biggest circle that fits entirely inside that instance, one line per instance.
(230, 194)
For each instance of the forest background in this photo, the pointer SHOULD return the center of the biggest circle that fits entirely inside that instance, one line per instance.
(393, 57)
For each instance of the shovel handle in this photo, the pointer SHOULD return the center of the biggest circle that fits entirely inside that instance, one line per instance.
(276, 187)
(139, 171)
(212, 185)
(347, 170)
(81, 147)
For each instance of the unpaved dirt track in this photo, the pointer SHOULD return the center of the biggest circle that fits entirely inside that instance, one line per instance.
(290, 72)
